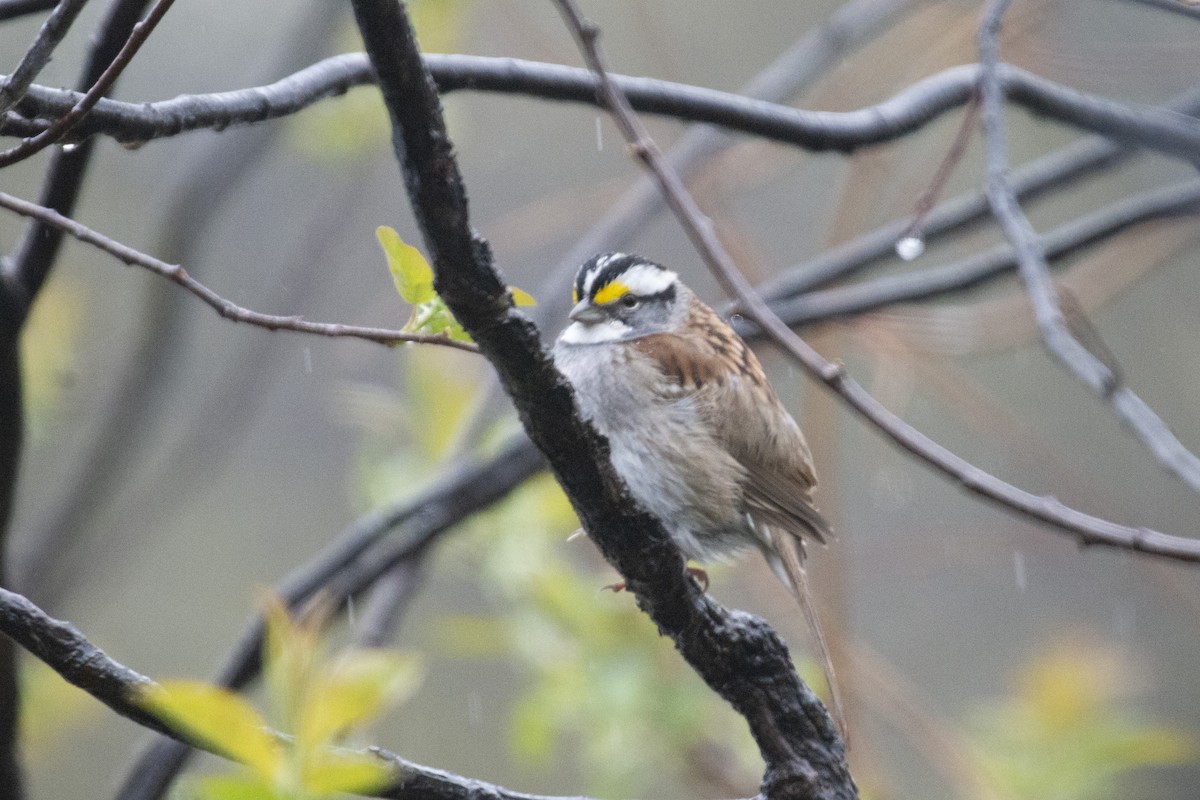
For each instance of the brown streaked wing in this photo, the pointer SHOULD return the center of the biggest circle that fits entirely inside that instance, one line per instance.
(748, 419)
(712, 364)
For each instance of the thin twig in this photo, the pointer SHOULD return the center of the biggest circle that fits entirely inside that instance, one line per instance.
(137, 37)
(1087, 529)
(38, 55)
(1057, 335)
(915, 229)
(226, 308)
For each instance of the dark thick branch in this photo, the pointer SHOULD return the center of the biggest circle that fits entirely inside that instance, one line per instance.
(61, 646)
(736, 654)
(898, 116)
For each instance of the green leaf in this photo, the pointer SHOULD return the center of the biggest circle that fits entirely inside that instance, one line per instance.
(435, 317)
(410, 271)
(234, 787)
(329, 772)
(216, 717)
(358, 687)
(290, 653)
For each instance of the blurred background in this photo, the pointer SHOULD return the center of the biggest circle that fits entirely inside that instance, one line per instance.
(177, 462)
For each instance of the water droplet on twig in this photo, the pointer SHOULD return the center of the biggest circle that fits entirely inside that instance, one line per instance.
(910, 247)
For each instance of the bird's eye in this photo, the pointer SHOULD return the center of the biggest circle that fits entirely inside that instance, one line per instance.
(630, 302)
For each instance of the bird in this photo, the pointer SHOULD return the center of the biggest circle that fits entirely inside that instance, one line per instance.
(694, 428)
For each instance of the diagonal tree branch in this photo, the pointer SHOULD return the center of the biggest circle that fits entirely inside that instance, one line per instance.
(736, 654)
(23, 275)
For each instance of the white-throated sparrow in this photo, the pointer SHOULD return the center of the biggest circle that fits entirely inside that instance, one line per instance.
(696, 431)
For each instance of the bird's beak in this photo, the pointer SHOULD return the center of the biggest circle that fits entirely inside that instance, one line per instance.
(587, 313)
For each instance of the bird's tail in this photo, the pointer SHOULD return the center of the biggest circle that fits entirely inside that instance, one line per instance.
(790, 550)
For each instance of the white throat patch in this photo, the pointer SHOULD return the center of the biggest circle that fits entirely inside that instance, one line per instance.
(612, 330)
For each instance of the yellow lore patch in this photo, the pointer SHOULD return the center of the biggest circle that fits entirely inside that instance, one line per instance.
(610, 293)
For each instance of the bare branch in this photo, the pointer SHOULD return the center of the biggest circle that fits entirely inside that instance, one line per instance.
(1182, 7)
(137, 37)
(226, 308)
(845, 131)
(38, 55)
(21, 278)
(736, 654)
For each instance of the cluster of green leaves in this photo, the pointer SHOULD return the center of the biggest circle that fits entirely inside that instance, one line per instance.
(414, 281)
(317, 700)
(1063, 734)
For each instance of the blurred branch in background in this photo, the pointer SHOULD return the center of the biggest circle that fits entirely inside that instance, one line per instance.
(1050, 173)
(820, 305)
(45, 565)
(21, 278)
(1061, 337)
(344, 569)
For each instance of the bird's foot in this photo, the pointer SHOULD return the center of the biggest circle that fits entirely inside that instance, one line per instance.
(698, 573)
